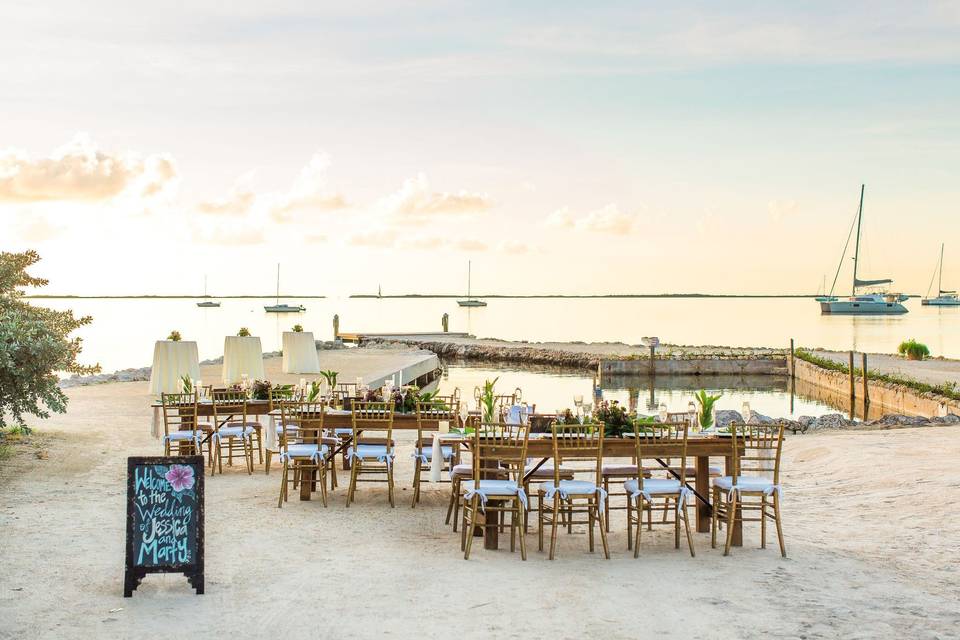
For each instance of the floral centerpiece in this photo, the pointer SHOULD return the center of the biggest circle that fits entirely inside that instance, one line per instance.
(615, 418)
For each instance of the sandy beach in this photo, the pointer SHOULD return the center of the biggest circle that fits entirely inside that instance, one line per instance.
(871, 551)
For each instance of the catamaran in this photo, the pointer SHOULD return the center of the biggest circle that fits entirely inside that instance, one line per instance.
(944, 298)
(207, 303)
(470, 301)
(863, 303)
(282, 308)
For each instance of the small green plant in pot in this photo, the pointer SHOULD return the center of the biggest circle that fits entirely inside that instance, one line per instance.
(488, 401)
(244, 332)
(298, 328)
(331, 377)
(706, 402)
(174, 336)
(913, 350)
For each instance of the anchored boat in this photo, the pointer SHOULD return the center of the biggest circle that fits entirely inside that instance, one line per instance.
(864, 303)
(944, 297)
(282, 308)
(470, 301)
(207, 303)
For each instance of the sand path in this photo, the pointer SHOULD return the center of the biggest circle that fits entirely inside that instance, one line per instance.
(935, 371)
(871, 539)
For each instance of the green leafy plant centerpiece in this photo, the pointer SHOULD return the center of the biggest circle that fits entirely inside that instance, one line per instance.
(187, 384)
(331, 377)
(706, 402)
(244, 332)
(313, 395)
(614, 417)
(174, 336)
(298, 328)
(488, 401)
(913, 350)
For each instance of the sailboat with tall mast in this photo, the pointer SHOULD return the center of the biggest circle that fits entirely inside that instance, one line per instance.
(207, 303)
(864, 303)
(945, 298)
(470, 301)
(282, 308)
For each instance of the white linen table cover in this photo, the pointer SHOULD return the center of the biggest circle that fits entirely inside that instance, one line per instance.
(300, 353)
(437, 455)
(242, 355)
(171, 361)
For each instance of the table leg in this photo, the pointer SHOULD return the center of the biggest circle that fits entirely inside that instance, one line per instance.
(702, 484)
(738, 516)
(306, 482)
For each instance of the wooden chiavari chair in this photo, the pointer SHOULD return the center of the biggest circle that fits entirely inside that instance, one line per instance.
(498, 449)
(180, 424)
(646, 491)
(438, 408)
(278, 396)
(574, 442)
(302, 447)
(229, 434)
(371, 455)
(754, 486)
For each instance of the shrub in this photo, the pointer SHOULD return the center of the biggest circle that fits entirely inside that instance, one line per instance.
(913, 350)
(174, 335)
(244, 332)
(298, 328)
(34, 345)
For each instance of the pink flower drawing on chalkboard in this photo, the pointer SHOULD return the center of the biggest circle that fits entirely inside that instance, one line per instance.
(180, 477)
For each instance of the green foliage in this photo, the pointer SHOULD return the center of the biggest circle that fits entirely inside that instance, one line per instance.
(186, 384)
(488, 401)
(946, 389)
(244, 332)
(174, 335)
(706, 402)
(614, 417)
(913, 349)
(34, 345)
(298, 328)
(331, 377)
(314, 394)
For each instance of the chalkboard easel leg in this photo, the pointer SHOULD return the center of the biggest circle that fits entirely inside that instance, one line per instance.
(131, 581)
(196, 581)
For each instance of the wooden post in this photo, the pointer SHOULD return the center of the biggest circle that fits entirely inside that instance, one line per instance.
(866, 387)
(653, 368)
(445, 320)
(793, 366)
(853, 391)
(336, 326)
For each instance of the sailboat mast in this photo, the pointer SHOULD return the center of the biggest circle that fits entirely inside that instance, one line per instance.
(205, 282)
(469, 269)
(278, 283)
(940, 277)
(856, 253)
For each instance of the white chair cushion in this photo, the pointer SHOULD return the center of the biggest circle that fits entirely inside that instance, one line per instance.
(369, 451)
(570, 488)
(654, 486)
(546, 471)
(183, 435)
(746, 483)
(618, 469)
(291, 428)
(305, 450)
(343, 432)
(462, 470)
(447, 452)
(235, 432)
(493, 487)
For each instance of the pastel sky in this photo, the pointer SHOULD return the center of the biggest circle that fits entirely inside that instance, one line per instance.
(563, 147)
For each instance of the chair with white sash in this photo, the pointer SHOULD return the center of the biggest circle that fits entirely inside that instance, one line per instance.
(180, 427)
(499, 456)
(574, 442)
(302, 448)
(371, 455)
(657, 441)
(279, 394)
(438, 408)
(231, 435)
(754, 484)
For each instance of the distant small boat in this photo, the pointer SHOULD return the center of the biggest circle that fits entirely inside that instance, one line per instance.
(865, 303)
(282, 308)
(470, 301)
(824, 297)
(944, 297)
(207, 303)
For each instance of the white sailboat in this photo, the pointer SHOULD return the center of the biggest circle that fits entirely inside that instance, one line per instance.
(823, 297)
(470, 301)
(944, 297)
(864, 303)
(207, 303)
(282, 308)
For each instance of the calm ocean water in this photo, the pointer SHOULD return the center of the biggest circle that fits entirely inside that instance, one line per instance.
(123, 331)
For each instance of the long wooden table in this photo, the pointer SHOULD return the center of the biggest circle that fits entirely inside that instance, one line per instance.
(701, 449)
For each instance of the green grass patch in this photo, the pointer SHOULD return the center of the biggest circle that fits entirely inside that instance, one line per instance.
(946, 389)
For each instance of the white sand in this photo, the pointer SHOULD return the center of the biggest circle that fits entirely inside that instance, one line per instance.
(869, 518)
(931, 371)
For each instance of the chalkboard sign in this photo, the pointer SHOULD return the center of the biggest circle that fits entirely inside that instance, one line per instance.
(164, 519)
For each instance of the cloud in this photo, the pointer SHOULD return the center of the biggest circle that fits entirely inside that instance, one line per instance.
(379, 239)
(427, 242)
(608, 219)
(36, 228)
(310, 192)
(513, 247)
(416, 199)
(237, 201)
(81, 171)
(780, 210)
(469, 244)
(229, 236)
